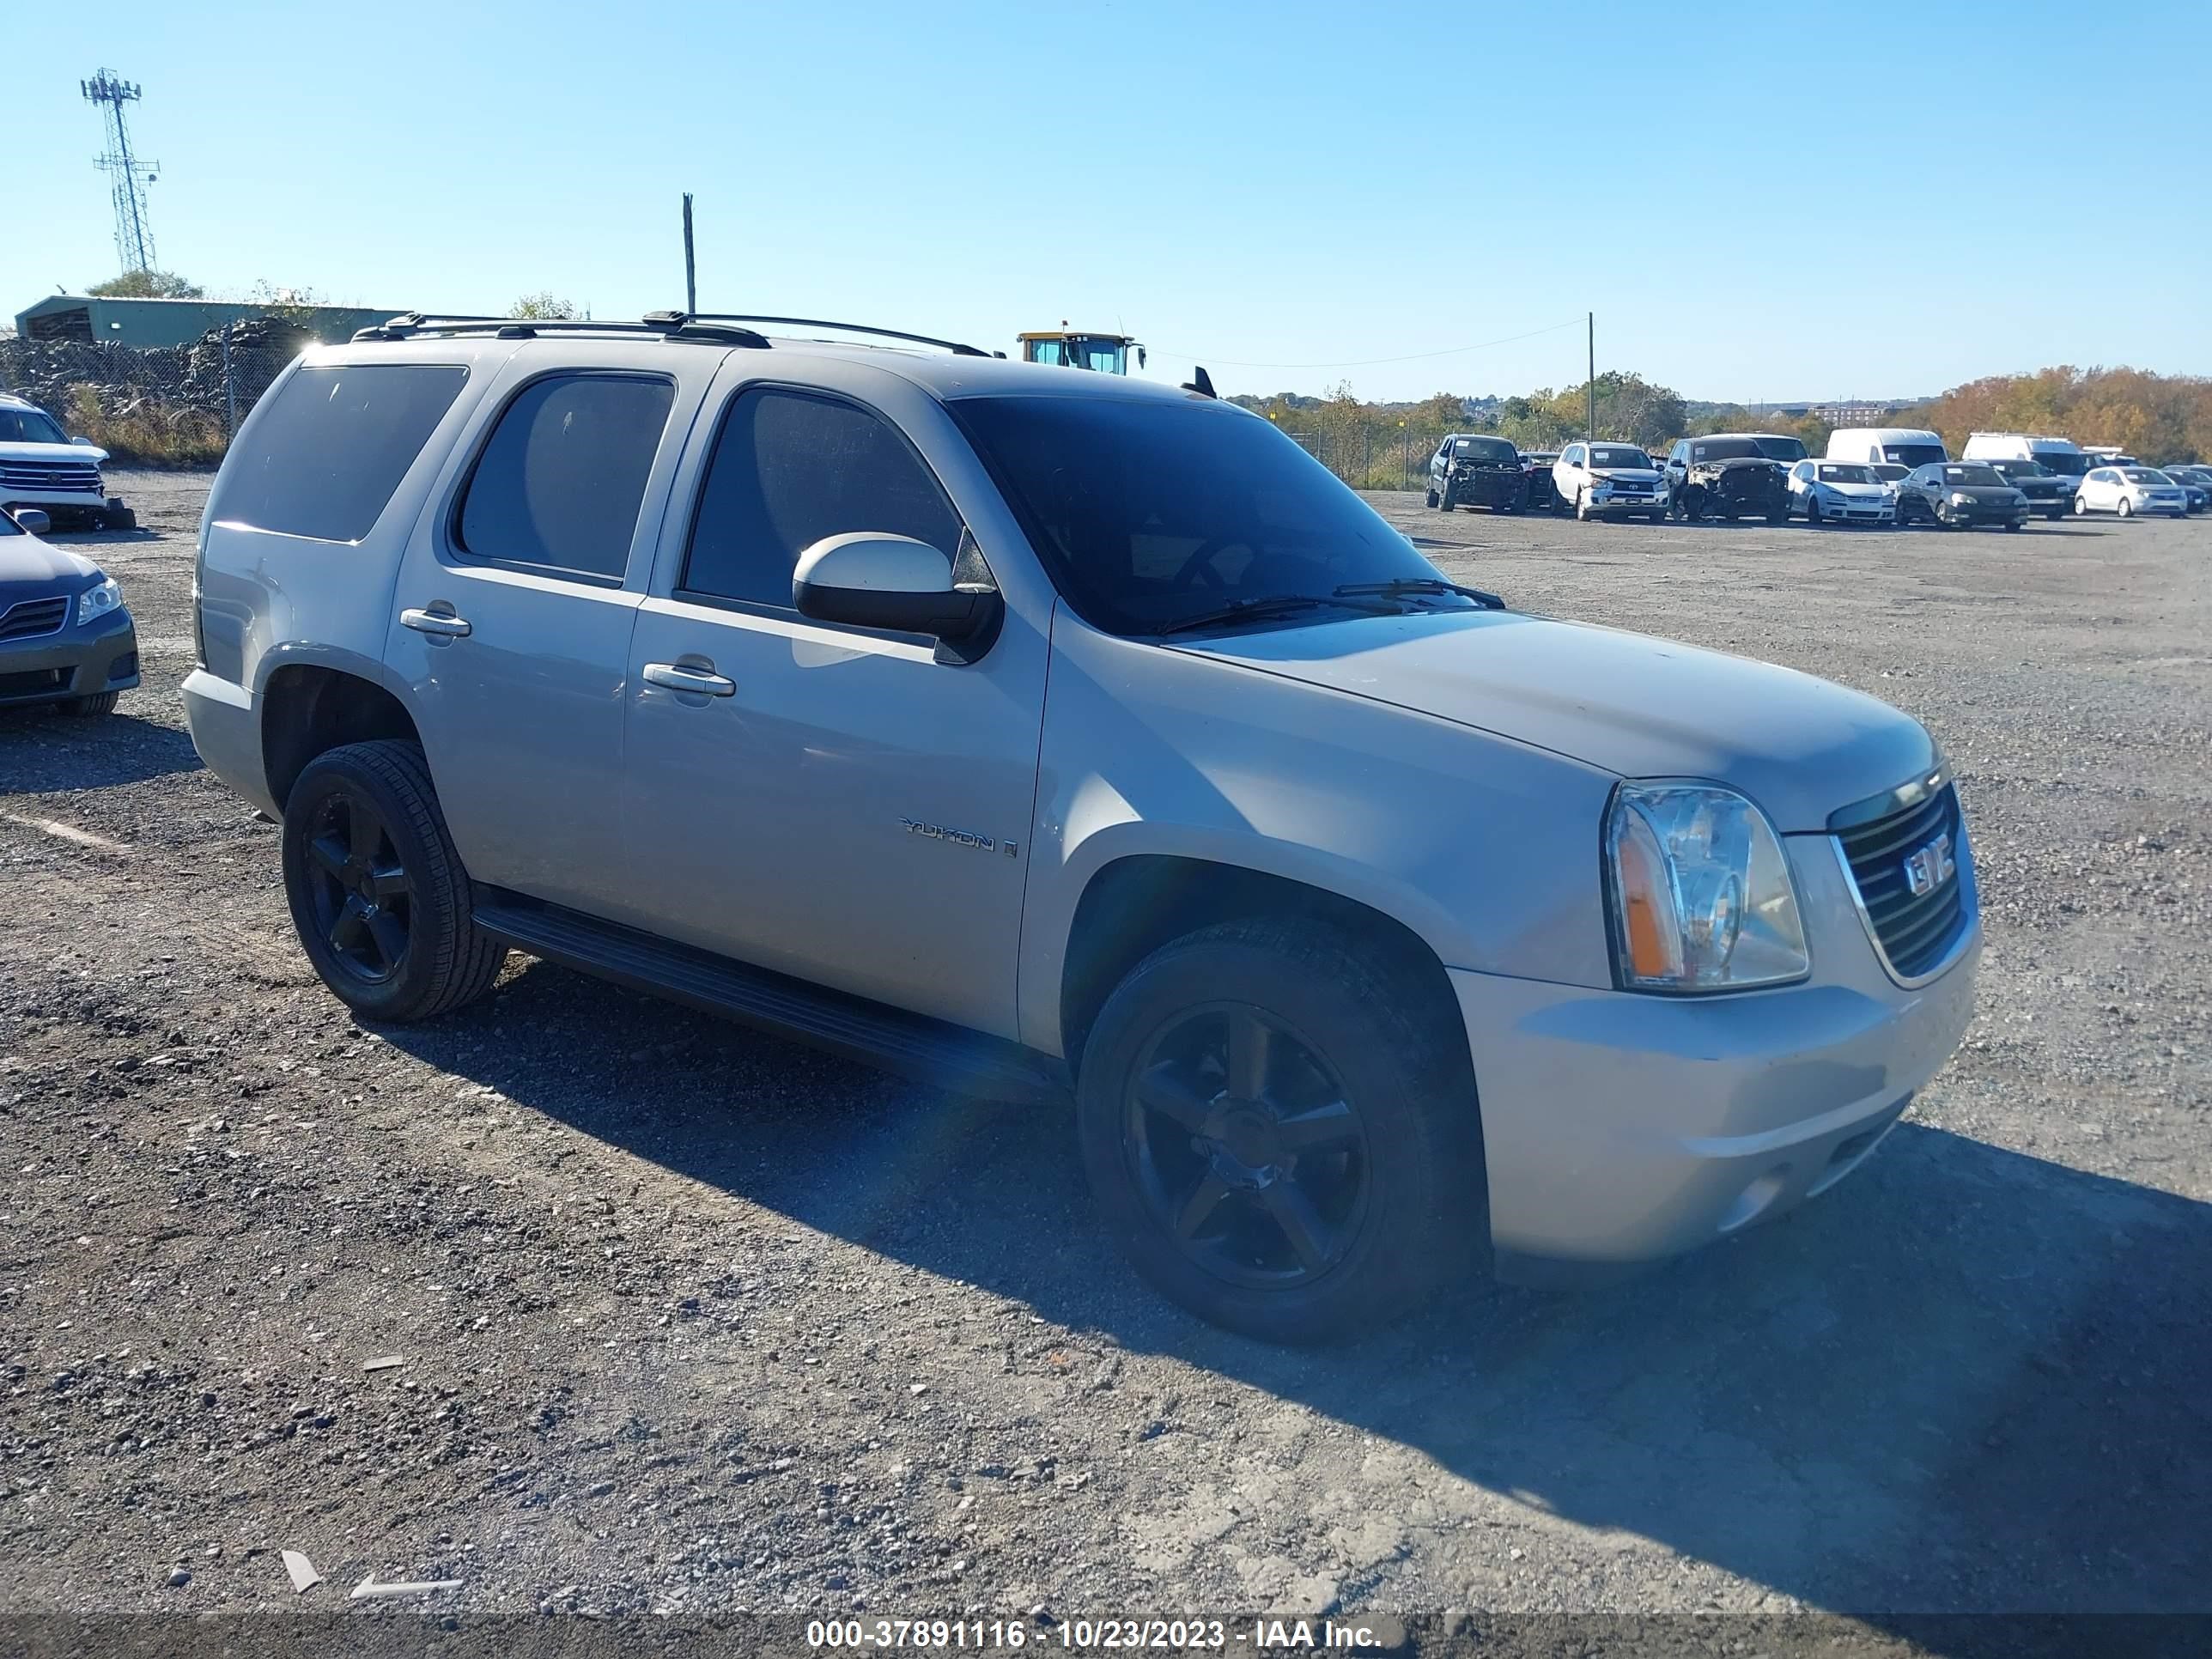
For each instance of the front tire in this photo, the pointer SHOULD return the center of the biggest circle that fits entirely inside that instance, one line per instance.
(99, 703)
(2080, 507)
(1812, 512)
(1582, 507)
(377, 892)
(2127, 507)
(1431, 502)
(1285, 1145)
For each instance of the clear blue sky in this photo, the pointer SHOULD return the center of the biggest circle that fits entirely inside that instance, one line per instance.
(1763, 201)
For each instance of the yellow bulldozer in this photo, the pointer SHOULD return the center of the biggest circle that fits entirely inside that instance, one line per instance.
(1108, 354)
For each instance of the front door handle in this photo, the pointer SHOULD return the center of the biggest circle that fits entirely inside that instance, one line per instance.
(442, 623)
(701, 681)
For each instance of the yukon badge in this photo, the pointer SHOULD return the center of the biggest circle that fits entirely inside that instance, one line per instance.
(960, 837)
(1931, 867)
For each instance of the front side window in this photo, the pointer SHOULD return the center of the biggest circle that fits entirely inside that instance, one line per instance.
(28, 426)
(1148, 514)
(323, 455)
(559, 485)
(790, 468)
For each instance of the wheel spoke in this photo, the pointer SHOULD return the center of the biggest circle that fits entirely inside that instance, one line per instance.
(1301, 1223)
(1317, 1126)
(1162, 1090)
(346, 929)
(329, 853)
(388, 936)
(388, 882)
(1202, 1203)
(367, 831)
(1250, 1039)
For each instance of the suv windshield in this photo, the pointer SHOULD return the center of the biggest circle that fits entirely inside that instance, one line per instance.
(1148, 515)
(1727, 449)
(1617, 455)
(28, 426)
(1844, 472)
(1784, 450)
(1484, 449)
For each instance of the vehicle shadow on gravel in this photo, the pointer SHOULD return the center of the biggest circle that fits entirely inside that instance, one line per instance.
(1967, 1380)
(42, 753)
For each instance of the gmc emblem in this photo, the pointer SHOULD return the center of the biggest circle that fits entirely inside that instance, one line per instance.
(1931, 867)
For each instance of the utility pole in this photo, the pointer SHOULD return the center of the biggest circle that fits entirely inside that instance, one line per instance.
(134, 229)
(691, 268)
(1591, 386)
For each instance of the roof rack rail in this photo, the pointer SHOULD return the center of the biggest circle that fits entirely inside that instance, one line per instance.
(953, 346)
(668, 325)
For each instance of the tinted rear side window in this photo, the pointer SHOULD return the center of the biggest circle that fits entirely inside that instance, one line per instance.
(559, 484)
(327, 451)
(789, 468)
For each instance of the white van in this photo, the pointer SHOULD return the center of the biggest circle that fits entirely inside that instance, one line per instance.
(2061, 455)
(1895, 445)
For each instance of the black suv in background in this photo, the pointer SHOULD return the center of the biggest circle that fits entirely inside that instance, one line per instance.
(2047, 492)
(1730, 474)
(1471, 469)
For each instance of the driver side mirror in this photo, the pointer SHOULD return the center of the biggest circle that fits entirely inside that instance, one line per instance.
(871, 579)
(31, 521)
(82, 439)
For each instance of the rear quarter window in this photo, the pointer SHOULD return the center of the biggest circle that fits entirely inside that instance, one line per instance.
(324, 455)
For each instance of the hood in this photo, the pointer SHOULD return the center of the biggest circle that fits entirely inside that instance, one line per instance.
(32, 570)
(1876, 490)
(52, 453)
(1980, 492)
(1626, 474)
(1631, 704)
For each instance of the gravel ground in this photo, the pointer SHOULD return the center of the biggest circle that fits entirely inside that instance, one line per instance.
(688, 1319)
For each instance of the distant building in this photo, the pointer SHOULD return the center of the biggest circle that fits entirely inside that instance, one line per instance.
(85, 316)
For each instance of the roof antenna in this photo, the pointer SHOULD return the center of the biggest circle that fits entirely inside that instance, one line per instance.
(1201, 382)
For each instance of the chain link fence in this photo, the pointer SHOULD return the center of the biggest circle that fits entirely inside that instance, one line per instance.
(1378, 452)
(154, 405)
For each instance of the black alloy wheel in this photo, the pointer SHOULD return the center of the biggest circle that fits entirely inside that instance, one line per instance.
(362, 897)
(1246, 1148)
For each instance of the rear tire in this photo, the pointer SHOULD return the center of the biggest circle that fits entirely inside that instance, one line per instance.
(1431, 502)
(99, 703)
(378, 895)
(1283, 1142)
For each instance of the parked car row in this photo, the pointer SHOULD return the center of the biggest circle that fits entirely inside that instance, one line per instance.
(1891, 476)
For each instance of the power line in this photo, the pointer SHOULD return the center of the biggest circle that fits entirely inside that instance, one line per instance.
(1366, 363)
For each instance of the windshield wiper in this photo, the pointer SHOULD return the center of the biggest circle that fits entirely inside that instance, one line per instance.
(1270, 605)
(1422, 584)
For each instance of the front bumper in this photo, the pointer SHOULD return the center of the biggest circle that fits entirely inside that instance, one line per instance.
(1964, 517)
(76, 662)
(1859, 512)
(1627, 504)
(63, 507)
(1487, 489)
(1620, 1128)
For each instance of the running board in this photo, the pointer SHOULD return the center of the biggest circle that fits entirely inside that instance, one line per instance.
(932, 1051)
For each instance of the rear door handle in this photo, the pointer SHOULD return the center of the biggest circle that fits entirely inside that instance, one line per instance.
(444, 624)
(700, 681)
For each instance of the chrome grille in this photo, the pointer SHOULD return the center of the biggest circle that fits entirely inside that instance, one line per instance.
(73, 476)
(1915, 930)
(33, 617)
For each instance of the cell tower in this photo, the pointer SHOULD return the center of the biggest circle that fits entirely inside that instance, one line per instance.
(134, 229)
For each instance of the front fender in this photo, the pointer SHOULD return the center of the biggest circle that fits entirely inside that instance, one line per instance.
(1485, 849)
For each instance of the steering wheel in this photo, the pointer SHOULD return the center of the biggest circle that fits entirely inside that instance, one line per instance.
(1197, 572)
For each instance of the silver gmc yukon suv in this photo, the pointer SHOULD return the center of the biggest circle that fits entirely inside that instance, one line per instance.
(1059, 738)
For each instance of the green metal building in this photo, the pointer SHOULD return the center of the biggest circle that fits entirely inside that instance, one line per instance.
(177, 322)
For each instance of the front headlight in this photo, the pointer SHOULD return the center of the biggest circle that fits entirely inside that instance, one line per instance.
(1960, 498)
(98, 601)
(1702, 899)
